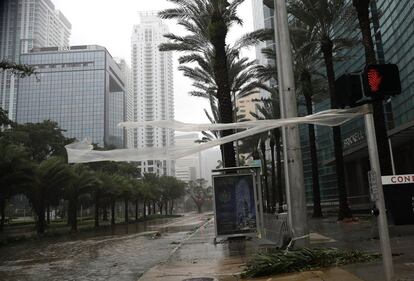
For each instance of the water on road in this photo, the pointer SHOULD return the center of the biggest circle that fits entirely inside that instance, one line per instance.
(120, 257)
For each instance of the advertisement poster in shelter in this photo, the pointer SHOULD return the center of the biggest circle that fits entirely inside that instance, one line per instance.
(234, 204)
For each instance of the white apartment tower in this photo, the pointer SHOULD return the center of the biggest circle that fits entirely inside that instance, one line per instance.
(24, 25)
(153, 97)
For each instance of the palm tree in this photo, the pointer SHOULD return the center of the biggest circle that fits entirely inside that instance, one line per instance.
(269, 109)
(125, 192)
(199, 193)
(362, 8)
(306, 65)
(321, 17)
(51, 177)
(16, 174)
(111, 192)
(208, 23)
(83, 181)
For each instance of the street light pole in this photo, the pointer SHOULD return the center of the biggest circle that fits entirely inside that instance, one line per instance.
(378, 197)
(296, 198)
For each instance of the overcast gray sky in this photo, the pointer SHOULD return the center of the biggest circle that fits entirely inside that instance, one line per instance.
(109, 23)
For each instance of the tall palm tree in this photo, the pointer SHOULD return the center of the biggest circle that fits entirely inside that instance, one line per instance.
(362, 8)
(111, 192)
(208, 23)
(16, 174)
(306, 65)
(269, 109)
(322, 17)
(83, 181)
(51, 177)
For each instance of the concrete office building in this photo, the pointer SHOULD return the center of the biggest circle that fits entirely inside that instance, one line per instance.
(79, 87)
(27, 24)
(153, 97)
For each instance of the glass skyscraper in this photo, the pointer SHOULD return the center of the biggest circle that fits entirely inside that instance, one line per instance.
(27, 24)
(79, 87)
(394, 42)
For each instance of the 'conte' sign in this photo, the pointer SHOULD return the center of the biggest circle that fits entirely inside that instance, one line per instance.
(400, 179)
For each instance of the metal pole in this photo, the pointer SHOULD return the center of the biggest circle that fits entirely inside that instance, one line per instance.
(294, 155)
(282, 115)
(379, 202)
(392, 157)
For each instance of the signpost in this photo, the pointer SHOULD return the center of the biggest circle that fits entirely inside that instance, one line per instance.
(378, 197)
(399, 198)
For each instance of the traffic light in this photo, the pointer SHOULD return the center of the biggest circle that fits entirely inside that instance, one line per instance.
(348, 89)
(377, 82)
(381, 80)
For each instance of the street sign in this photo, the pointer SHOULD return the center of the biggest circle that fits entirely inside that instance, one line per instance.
(373, 186)
(234, 205)
(398, 179)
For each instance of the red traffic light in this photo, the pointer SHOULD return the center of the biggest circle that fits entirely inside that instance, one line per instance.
(374, 80)
(382, 80)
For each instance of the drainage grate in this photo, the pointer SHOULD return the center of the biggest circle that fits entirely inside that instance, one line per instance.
(200, 279)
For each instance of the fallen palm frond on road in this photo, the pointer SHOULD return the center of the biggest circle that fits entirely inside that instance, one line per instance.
(265, 264)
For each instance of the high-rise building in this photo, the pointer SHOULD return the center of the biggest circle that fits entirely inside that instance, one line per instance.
(246, 106)
(153, 97)
(27, 24)
(263, 19)
(187, 168)
(129, 97)
(79, 87)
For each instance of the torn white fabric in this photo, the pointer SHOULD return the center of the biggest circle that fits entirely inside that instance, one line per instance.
(81, 152)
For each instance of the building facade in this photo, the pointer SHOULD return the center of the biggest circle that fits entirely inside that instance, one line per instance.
(27, 24)
(153, 96)
(129, 97)
(393, 33)
(79, 87)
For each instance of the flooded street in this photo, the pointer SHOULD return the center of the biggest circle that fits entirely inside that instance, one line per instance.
(104, 257)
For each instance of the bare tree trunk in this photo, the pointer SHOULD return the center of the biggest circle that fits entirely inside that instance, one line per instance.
(136, 209)
(217, 30)
(266, 184)
(272, 154)
(3, 213)
(344, 210)
(276, 134)
(126, 209)
(48, 214)
(171, 207)
(73, 213)
(96, 209)
(105, 213)
(316, 194)
(40, 224)
(113, 212)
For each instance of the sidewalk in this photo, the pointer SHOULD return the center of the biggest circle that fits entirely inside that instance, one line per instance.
(198, 256)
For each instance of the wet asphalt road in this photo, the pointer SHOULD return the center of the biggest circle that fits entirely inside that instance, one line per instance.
(120, 257)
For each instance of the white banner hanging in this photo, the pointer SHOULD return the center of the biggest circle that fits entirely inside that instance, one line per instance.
(82, 152)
